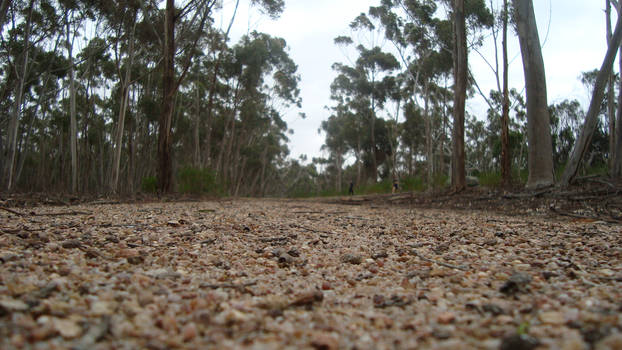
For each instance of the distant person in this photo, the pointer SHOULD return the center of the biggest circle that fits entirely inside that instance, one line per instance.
(395, 185)
(351, 189)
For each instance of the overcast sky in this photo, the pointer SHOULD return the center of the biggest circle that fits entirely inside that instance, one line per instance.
(573, 32)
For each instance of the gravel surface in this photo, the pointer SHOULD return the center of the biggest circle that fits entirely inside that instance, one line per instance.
(285, 274)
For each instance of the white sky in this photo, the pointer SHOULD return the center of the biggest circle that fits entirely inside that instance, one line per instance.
(575, 43)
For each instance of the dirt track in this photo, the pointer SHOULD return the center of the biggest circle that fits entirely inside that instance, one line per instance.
(302, 274)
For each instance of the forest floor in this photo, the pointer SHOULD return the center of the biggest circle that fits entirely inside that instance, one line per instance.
(481, 270)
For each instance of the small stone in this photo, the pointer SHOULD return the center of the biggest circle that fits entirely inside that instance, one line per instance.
(135, 260)
(493, 309)
(294, 252)
(308, 298)
(351, 259)
(285, 260)
(446, 317)
(100, 308)
(515, 283)
(68, 329)
(519, 342)
(606, 272)
(612, 342)
(174, 223)
(573, 341)
(323, 341)
(189, 332)
(13, 305)
(552, 317)
(71, 244)
(380, 255)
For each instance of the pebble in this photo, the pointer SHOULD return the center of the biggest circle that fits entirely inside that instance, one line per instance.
(552, 317)
(324, 341)
(611, 342)
(189, 332)
(352, 259)
(446, 317)
(68, 329)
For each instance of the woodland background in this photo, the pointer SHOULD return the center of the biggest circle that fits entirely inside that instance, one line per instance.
(101, 97)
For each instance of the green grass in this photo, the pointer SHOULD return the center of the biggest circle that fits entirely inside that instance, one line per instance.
(197, 181)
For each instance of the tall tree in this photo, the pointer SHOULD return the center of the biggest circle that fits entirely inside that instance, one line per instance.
(19, 96)
(505, 116)
(617, 159)
(200, 12)
(591, 119)
(540, 162)
(458, 173)
(4, 9)
(611, 107)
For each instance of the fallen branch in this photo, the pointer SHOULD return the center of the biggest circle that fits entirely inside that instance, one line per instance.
(528, 194)
(12, 211)
(32, 213)
(424, 258)
(584, 217)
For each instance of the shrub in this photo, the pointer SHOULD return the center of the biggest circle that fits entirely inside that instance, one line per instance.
(490, 179)
(414, 183)
(196, 181)
(149, 184)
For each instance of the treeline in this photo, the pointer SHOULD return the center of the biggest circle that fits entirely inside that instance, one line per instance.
(123, 96)
(398, 106)
(150, 95)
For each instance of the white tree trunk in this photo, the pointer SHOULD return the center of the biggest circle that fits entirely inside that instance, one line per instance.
(591, 119)
(540, 162)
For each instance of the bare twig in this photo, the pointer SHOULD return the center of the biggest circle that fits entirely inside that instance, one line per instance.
(240, 287)
(585, 217)
(72, 212)
(12, 211)
(417, 254)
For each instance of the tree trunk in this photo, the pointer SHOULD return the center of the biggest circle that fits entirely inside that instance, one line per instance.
(4, 9)
(617, 160)
(373, 143)
(540, 162)
(428, 135)
(165, 162)
(611, 107)
(125, 83)
(458, 174)
(17, 108)
(506, 168)
(197, 125)
(73, 141)
(591, 119)
(339, 170)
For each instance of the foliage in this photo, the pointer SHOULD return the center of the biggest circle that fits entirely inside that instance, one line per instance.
(196, 181)
(149, 184)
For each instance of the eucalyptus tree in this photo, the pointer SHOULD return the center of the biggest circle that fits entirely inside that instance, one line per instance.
(538, 120)
(591, 119)
(33, 24)
(4, 10)
(416, 35)
(198, 13)
(122, 21)
(616, 172)
(458, 173)
(20, 71)
(335, 128)
(370, 81)
(261, 79)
